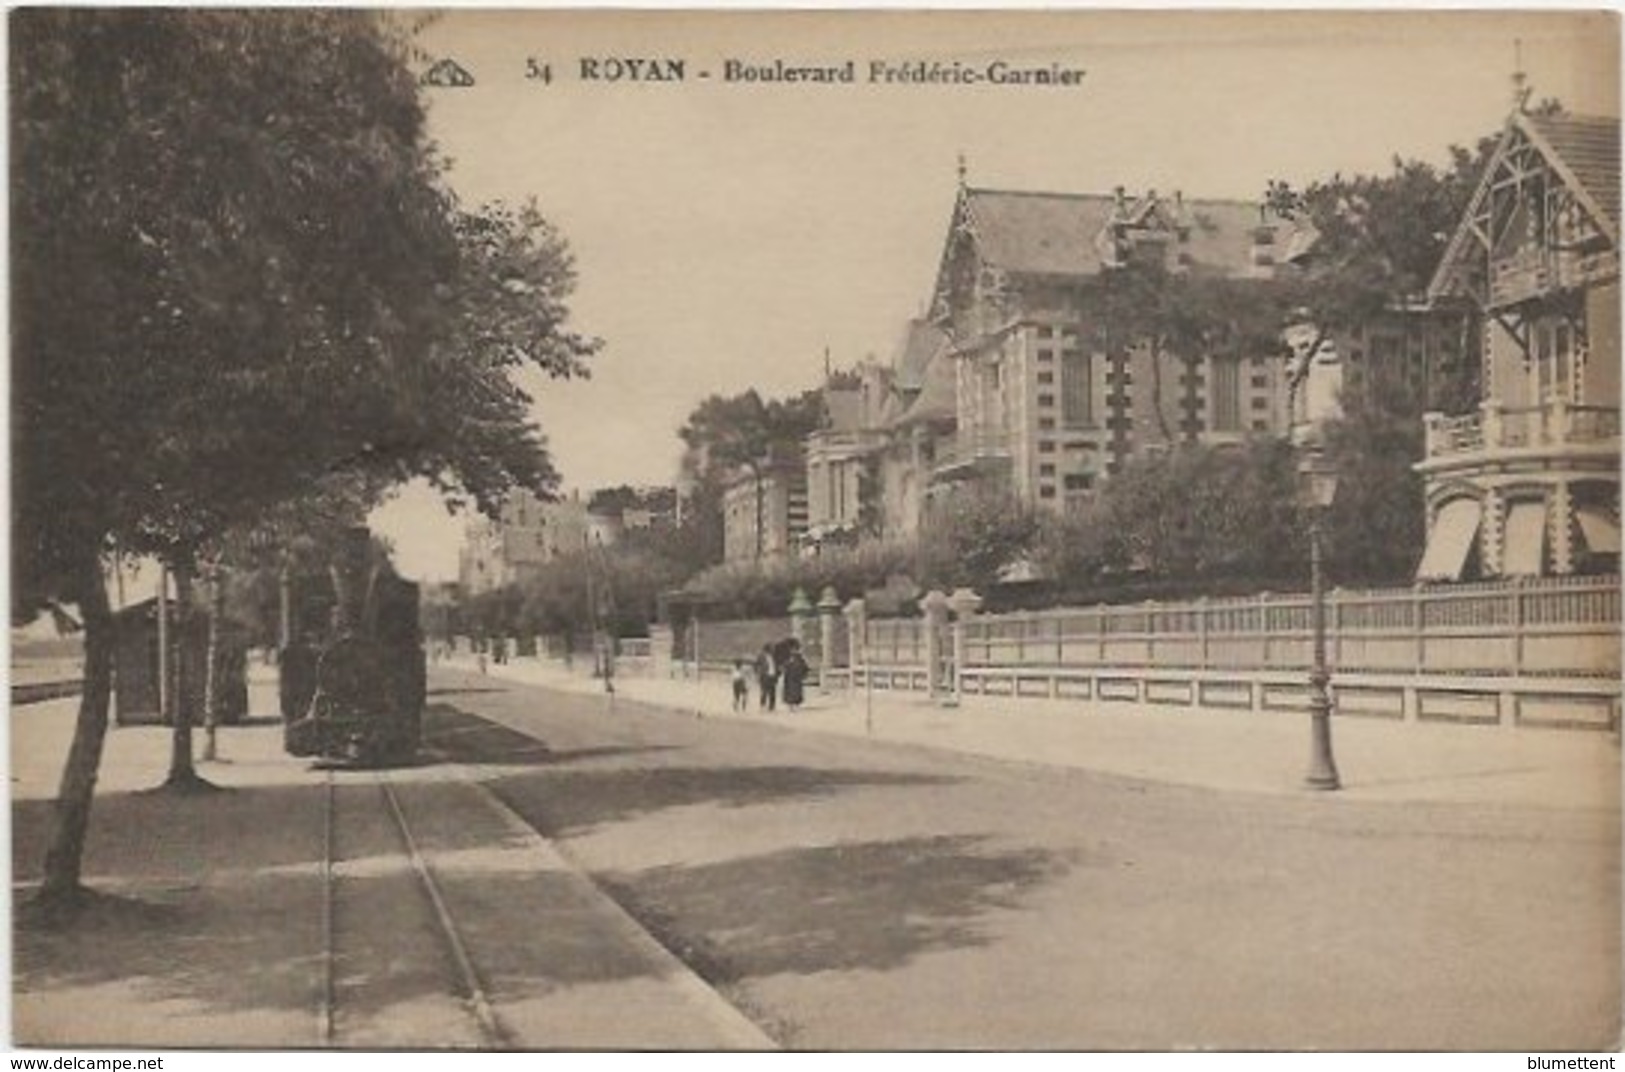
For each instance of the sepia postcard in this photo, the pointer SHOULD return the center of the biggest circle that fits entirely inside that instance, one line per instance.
(696, 530)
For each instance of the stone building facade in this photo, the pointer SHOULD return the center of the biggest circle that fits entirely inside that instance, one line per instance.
(764, 512)
(529, 533)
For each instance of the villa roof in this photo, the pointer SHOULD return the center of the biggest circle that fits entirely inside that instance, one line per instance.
(920, 342)
(1059, 233)
(936, 400)
(1589, 147)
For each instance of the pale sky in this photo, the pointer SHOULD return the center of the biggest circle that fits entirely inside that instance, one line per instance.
(726, 234)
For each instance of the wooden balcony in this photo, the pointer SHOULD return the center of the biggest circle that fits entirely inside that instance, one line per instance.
(1554, 432)
(1529, 275)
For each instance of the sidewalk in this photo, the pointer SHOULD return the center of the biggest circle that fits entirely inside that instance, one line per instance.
(211, 935)
(1261, 752)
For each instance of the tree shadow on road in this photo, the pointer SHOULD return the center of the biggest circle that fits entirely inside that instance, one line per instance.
(571, 802)
(866, 905)
(469, 739)
(207, 925)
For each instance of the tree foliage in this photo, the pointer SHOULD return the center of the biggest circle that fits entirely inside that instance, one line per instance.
(1377, 524)
(660, 501)
(1203, 512)
(723, 434)
(726, 435)
(764, 588)
(1367, 244)
(972, 535)
(1185, 314)
(235, 274)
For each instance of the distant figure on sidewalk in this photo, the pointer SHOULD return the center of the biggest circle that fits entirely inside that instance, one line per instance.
(767, 676)
(795, 675)
(741, 684)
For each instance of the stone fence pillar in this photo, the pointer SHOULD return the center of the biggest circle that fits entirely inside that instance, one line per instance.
(801, 611)
(964, 603)
(935, 607)
(857, 627)
(829, 608)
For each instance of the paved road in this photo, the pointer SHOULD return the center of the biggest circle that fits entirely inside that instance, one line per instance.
(307, 907)
(855, 894)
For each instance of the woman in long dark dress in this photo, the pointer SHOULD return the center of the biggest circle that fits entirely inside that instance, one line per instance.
(795, 676)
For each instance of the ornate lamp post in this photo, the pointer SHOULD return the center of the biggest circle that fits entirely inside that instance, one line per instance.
(1318, 487)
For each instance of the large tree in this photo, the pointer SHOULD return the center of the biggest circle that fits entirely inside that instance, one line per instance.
(235, 272)
(1204, 513)
(1364, 250)
(973, 535)
(743, 432)
(1366, 246)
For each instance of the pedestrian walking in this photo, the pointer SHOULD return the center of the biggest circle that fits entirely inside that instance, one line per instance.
(795, 676)
(767, 677)
(741, 684)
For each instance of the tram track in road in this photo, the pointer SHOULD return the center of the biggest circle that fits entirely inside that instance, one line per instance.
(449, 921)
(472, 989)
(366, 897)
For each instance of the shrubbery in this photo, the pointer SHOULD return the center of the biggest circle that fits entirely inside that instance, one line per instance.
(764, 589)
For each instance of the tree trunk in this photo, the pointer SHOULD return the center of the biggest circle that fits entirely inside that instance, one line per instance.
(183, 775)
(284, 596)
(212, 690)
(65, 855)
(1156, 350)
(761, 537)
(166, 682)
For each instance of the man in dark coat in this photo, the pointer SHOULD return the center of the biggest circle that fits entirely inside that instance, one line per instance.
(767, 677)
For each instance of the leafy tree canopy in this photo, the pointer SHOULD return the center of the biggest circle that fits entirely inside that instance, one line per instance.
(723, 434)
(624, 497)
(236, 274)
(973, 535)
(1366, 243)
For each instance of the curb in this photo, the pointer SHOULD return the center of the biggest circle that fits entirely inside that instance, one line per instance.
(738, 1031)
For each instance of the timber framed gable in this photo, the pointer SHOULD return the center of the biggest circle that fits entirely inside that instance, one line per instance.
(1534, 225)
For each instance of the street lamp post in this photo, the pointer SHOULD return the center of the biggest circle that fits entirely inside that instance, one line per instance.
(1320, 487)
